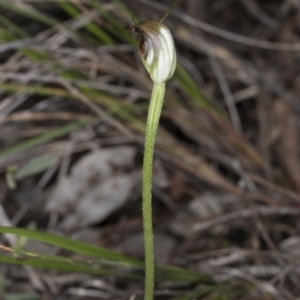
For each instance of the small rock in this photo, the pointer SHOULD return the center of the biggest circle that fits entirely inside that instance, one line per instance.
(99, 184)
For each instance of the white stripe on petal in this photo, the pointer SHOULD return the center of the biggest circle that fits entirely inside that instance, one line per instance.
(150, 56)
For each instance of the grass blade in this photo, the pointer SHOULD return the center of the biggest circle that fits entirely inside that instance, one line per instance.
(69, 244)
(32, 14)
(91, 27)
(56, 133)
(108, 257)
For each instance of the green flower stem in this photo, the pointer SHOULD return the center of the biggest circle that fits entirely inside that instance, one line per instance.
(156, 103)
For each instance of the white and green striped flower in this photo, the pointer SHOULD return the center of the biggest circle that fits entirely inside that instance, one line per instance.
(157, 50)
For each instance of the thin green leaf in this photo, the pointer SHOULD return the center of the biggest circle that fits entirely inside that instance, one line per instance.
(116, 27)
(6, 35)
(13, 27)
(91, 27)
(190, 87)
(181, 274)
(36, 165)
(43, 91)
(36, 55)
(32, 14)
(69, 244)
(22, 296)
(56, 133)
(108, 257)
(92, 266)
(198, 294)
(61, 266)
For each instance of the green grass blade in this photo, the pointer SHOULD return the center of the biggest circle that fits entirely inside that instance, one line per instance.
(198, 294)
(60, 266)
(66, 264)
(36, 55)
(36, 165)
(13, 27)
(117, 27)
(108, 257)
(22, 296)
(56, 133)
(181, 274)
(43, 91)
(190, 87)
(91, 27)
(6, 35)
(32, 14)
(69, 244)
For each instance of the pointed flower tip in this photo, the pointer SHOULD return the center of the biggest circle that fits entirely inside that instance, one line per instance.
(157, 50)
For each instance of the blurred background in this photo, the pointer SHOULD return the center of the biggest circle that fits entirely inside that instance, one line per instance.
(74, 100)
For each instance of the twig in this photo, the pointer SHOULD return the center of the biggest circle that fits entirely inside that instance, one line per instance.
(263, 211)
(101, 113)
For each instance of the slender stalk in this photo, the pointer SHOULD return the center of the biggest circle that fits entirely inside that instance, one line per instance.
(156, 102)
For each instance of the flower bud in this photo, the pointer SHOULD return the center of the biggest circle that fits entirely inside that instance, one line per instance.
(157, 50)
